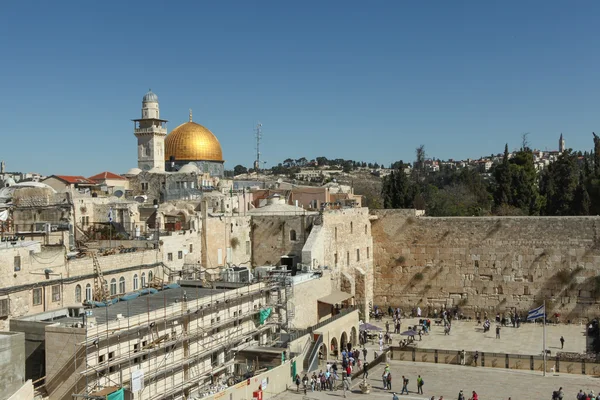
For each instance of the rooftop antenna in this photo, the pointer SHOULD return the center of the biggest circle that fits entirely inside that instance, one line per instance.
(258, 136)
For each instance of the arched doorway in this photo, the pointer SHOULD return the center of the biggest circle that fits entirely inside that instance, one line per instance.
(323, 353)
(353, 337)
(344, 341)
(334, 349)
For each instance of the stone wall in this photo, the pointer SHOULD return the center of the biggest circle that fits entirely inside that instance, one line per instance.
(272, 237)
(491, 263)
(12, 362)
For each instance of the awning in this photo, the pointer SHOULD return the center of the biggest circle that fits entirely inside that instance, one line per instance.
(335, 298)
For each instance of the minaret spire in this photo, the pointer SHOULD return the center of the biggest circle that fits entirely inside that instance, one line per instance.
(190, 115)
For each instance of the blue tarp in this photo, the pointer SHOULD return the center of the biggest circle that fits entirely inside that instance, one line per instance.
(118, 395)
(129, 296)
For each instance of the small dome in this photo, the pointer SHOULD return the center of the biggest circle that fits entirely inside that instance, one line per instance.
(9, 182)
(156, 170)
(189, 168)
(150, 96)
(133, 172)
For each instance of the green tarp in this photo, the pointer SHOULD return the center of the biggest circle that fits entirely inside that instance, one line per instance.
(264, 314)
(293, 369)
(118, 395)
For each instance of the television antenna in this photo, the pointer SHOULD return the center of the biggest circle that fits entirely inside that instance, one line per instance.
(258, 136)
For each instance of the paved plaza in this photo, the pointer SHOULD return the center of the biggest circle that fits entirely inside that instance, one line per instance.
(447, 380)
(467, 335)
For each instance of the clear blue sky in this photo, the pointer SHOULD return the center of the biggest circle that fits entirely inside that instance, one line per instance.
(368, 81)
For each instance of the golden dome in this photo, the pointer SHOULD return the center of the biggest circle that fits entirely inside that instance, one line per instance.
(192, 142)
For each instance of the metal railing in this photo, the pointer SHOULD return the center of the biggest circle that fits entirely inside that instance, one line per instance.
(298, 333)
(312, 354)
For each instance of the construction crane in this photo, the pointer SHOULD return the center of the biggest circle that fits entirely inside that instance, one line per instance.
(101, 293)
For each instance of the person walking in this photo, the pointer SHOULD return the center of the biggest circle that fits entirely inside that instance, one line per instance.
(384, 379)
(364, 354)
(461, 395)
(345, 383)
(365, 370)
(389, 381)
(562, 342)
(404, 385)
(420, 383)
(475, 357)
(498, 332)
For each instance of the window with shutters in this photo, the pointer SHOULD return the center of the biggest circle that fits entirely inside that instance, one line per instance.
(37, 296)
(55, 293)
(4, 308)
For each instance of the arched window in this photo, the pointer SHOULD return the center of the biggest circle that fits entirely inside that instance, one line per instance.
(122, 285)
(135, 282)
(366, 229)
(351, 227)
(143, 280)
(78, 294)
(113, 287)
(336, 233)
(88, 292)
(147, 150)
(150, 276)
(293, 235)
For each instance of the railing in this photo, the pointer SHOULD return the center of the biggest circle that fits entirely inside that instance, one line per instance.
(301, 332)
(311, 357)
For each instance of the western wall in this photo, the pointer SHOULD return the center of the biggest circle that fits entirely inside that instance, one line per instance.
(487, 263)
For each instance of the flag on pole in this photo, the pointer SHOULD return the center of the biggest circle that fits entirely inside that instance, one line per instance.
(536, 313)
(110, 219)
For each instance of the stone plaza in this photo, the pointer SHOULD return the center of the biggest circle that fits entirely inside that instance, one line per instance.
(448, 380)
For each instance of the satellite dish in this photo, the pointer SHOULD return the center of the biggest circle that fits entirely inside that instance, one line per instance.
(140, 199)
(118, 193)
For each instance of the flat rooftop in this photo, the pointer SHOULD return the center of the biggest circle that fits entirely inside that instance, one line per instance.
(138, 306)
(152, 302)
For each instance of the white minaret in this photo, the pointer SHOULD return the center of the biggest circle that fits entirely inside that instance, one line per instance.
(561, 144)
(150, 131)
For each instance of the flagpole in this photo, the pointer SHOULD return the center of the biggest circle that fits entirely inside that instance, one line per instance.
(544, 337)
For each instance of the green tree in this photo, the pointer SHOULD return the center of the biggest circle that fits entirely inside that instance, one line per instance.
(524, 190)
(558, 185)
(581, 200)
(502, 192)
(397, 190)
(239, 169)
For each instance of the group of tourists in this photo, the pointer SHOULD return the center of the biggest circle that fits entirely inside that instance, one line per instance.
(327, 380)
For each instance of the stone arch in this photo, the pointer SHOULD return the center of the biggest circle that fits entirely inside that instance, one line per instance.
(334, 348)
(323, 352)
(344, 341)
(354, 337)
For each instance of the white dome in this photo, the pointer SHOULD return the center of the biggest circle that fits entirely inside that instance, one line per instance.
(133, 172)
(189, 169)
(9, 182)
(156, 170)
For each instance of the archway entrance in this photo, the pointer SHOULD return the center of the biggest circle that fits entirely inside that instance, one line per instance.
(334, 347)
(353, 337)
(323, 352)
(344, 341)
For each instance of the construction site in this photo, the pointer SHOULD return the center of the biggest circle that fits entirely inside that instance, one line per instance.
(185, 340)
